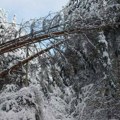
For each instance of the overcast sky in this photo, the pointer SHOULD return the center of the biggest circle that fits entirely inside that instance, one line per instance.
(28, 9)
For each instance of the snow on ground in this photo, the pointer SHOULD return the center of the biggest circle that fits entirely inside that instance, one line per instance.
(18, 104)
(55, 109)
(22, 104)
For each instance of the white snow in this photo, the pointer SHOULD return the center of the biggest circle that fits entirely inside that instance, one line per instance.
(18, 105)
(105, 54)
(102, 39)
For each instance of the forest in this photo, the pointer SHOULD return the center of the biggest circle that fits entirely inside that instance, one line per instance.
(64, 66)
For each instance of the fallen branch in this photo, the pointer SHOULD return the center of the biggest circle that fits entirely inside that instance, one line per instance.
(19, 64)
(22, 38)
(19, 44)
